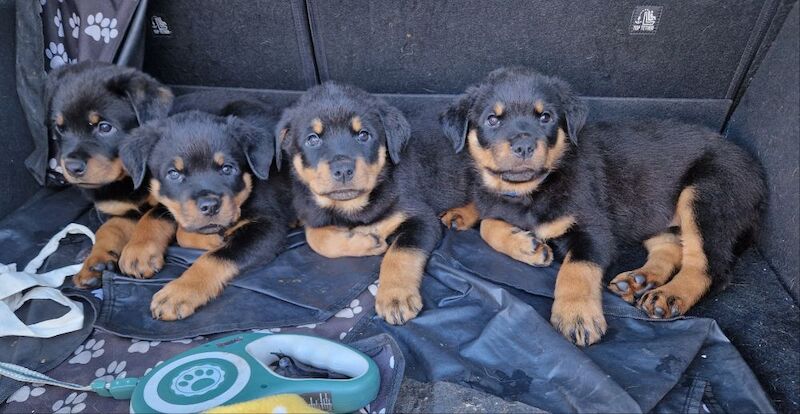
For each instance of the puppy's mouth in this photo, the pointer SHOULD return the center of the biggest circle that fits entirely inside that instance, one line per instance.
(208, 229)
(520, 176)
(344, 195)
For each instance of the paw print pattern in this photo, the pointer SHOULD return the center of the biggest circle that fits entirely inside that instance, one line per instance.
(352, 310)
(142, 346)
(270, 330)
(115, 370)
(309, 326)
(101, 27)
(373, 288)
(74, 403)
(27, 391)
(59, 22)
(57, 55)
(91, 349)
(75, 25)
(147, 371)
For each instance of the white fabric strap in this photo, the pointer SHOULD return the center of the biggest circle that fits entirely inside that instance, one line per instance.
(44, 286)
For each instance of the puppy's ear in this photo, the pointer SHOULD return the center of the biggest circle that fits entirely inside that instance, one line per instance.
(135, 151)
(397, 130)
(257, 143)
(455, 120)
(283, 131)
(575, 110)
(149, 98)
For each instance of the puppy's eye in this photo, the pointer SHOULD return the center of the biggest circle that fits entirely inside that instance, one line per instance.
(313, 141)
(227, 169)
(363, 136)
(174, 174)
(105, 128)
(492, 120)
(545, 117)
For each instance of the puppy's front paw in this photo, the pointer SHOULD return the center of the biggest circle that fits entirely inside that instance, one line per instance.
(461, 218)
(662, 303)
(531, 250)
(142, 259)
(362, 243)
(579, 320)
(90, 275)
(398, 305)
(177, 300)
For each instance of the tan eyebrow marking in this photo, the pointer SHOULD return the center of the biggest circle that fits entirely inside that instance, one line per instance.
(178, 161)
(355, 123)
(316, 126)
(219, 158)
(94, 117)
(499, 108)
(538, 106)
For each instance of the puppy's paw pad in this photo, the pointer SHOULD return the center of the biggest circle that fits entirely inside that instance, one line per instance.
(398, 305)
(582, 322)
(660, 304)
(142, 260)
(632, 285)
(175, 301)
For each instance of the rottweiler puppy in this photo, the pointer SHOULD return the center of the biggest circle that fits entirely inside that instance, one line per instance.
(91, 109)
(691, 197)
(212, 175)
(362, 182)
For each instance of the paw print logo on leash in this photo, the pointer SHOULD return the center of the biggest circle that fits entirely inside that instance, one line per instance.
(198, 380)
(99, 27)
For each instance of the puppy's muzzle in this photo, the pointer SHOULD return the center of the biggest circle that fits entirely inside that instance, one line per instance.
(75, 167)
(209, 205)
(343, 170)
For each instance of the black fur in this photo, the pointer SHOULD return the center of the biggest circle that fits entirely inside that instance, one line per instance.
(243, 138)
(425, 179)
(123, 97)
(623, 181)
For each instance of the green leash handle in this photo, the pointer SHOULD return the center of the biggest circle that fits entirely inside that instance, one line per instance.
(119, 389)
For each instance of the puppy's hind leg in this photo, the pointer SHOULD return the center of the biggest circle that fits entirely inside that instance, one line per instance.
(461, 218)
(693, 280)
(664, 254)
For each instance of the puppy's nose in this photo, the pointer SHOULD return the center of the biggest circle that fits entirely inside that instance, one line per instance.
(209, 205)
(75, 167)
(343, 169)
(523, 146)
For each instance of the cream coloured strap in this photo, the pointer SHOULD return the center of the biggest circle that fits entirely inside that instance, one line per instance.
(13, 294)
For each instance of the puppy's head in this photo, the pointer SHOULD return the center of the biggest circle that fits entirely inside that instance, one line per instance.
(91, 109)
(201, 166)
(517, 125)
(337, 138)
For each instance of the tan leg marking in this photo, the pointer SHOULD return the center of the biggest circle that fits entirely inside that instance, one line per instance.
(200, 283)
(143, 256)
(578, 307)
(110, 239)
(516, 243)
(464, 217)
(398, 299)
(663, 260)
(690, 283)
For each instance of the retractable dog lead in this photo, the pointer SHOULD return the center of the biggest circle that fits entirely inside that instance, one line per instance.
(328, 375)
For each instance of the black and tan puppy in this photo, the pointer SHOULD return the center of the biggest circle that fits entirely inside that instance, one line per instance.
(213, 175)
(360, 178)
(691, 197)
(91, 109)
